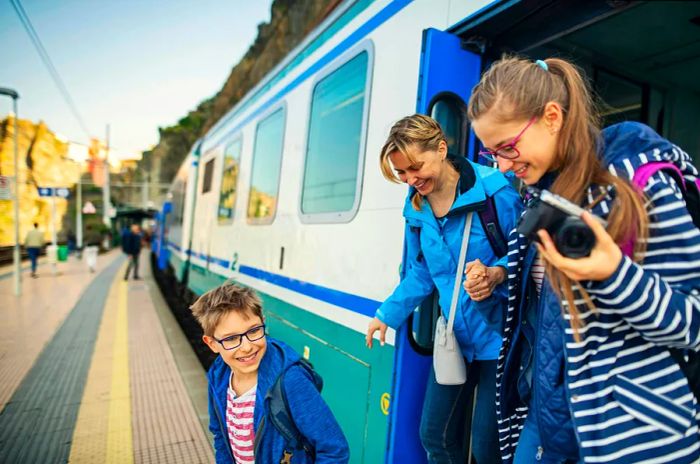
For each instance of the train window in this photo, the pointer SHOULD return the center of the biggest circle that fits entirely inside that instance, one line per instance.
(334, 154)
(449, 110)
(267, 161)
(423, 321)
(621, 98)
(229, 181)
(208, 175)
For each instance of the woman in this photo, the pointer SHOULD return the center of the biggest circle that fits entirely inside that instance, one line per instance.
(443, 189)
(586, 372)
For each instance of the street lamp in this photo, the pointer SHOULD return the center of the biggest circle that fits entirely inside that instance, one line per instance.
(16, 258)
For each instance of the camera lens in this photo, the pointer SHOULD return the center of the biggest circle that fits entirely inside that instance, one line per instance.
(574, 238)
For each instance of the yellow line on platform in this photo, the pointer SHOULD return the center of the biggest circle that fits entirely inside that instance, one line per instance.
(120, 447)
(103, 428)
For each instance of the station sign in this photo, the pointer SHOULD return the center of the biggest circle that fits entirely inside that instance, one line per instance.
(61, 192)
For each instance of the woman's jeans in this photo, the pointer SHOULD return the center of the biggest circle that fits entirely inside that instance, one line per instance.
(446, 420)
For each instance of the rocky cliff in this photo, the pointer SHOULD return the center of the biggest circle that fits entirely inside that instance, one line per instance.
(291, 21)
(42, 162)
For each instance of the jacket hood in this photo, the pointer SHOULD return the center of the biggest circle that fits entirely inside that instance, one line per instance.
(628, 145)
(278, 356)
(475, 183)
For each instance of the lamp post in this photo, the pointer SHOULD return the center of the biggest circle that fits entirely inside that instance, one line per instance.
(16, 257)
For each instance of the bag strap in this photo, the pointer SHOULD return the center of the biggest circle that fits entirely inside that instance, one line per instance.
(639, 181)
(460, 269)
(489, 221)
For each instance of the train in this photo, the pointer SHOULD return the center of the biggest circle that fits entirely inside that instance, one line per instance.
(284, 193)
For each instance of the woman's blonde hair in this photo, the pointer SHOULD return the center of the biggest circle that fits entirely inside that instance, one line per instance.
(417, 130)
(518, 89)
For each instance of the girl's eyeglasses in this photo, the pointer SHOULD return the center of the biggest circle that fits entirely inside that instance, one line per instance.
(507, 151)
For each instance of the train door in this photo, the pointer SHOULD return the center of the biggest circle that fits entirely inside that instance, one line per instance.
(447, 74)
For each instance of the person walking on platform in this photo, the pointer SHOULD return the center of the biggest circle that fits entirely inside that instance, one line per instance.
(92, 247)
(131, 245)
(33, 243)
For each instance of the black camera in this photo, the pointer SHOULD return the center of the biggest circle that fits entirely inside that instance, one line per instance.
(562, 219)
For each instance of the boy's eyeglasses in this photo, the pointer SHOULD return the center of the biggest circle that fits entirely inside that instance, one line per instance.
(507, 151)
(234, 341)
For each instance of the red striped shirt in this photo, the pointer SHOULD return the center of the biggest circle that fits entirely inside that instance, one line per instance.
(239, 422)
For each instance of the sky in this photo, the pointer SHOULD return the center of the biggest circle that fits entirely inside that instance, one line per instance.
(136, 64)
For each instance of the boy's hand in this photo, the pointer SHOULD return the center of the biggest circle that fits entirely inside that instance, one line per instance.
(374, 325)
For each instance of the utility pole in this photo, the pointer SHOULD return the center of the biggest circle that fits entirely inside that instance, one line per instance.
(105, 189)
(79, 211)
(144, 192)
(16, 254)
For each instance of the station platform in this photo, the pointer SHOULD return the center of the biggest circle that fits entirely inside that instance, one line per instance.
(95, 369)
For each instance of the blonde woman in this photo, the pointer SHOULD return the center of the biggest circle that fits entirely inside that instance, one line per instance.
(442, 190)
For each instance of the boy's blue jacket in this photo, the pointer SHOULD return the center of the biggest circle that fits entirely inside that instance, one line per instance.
(309, 411)
(616, 395)
(432, 250)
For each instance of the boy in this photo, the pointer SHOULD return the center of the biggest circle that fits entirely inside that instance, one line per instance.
(247, 366)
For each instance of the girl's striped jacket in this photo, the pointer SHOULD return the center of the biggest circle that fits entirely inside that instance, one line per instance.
(628, 398)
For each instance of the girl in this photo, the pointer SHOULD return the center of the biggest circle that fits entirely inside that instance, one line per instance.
(585, 371)
(443, 189)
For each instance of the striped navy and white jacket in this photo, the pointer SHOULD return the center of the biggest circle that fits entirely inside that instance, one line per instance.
(628, 398)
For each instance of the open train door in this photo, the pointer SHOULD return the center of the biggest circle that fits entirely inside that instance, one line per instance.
(447, 74)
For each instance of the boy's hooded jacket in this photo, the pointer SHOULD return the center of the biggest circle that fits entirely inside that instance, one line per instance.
(432, 250)
(309, 411)
(617, 392)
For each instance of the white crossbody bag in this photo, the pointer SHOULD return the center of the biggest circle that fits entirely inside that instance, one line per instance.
(448, 362)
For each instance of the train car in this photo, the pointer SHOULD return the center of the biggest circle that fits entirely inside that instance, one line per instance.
(284, 193)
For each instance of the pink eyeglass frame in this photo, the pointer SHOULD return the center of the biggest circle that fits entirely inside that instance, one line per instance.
(491, 155)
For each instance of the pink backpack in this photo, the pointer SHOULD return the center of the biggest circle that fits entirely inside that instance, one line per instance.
(691, 191)
(688, 360)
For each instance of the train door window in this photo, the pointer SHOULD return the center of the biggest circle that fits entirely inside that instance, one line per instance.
(229, 181)
(208, 175)
(267, 161)
(621, 98)
(335, 152)
(450, 111)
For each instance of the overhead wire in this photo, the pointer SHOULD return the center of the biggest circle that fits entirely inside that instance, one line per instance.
(46, 59)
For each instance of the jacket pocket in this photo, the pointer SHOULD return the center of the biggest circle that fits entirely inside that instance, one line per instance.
(650, 407)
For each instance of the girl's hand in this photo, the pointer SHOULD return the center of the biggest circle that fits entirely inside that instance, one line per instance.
(604, 259)
(374, 325)
(482, 280)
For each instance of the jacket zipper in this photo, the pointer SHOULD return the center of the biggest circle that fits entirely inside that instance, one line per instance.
(221, 426)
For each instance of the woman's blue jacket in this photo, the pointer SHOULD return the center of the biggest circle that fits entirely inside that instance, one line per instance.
(432, 250)
(310, 412)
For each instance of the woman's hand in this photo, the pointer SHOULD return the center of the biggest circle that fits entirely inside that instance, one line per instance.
(482, 280)
(604, 259)
(374, 325)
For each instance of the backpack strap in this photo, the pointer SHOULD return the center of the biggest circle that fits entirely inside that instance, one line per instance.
(280, 414)
(494, 234)
(640, 179)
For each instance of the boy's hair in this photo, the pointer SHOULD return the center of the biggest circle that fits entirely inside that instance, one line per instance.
(216, 303)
